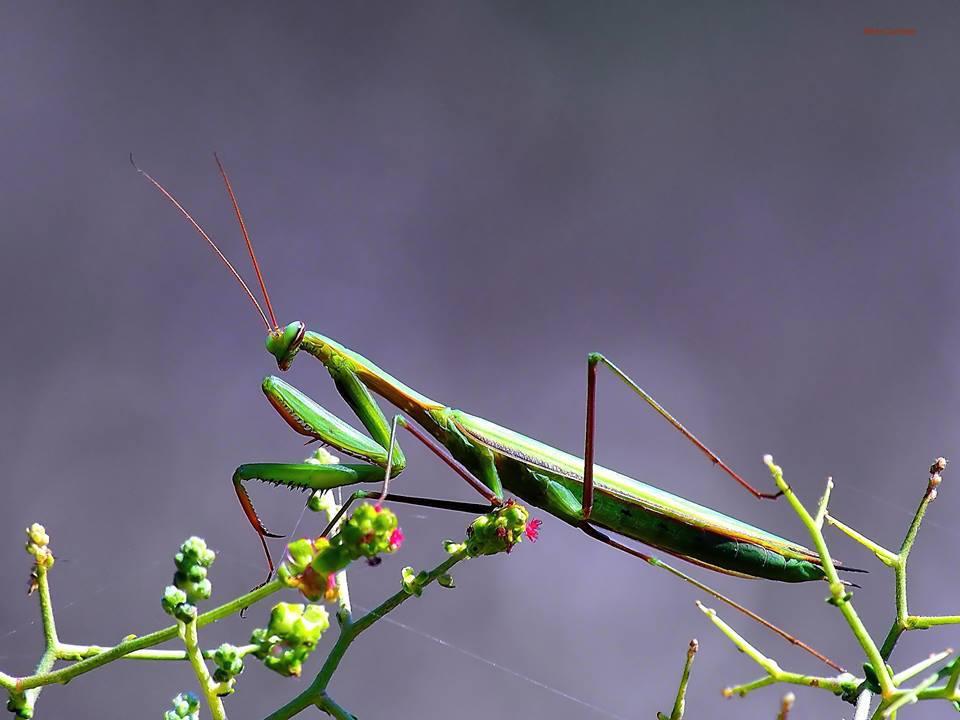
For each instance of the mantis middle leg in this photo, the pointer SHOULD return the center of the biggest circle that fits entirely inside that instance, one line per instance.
(595, 359)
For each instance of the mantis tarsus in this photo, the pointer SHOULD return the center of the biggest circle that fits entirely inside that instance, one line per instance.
(492, 459)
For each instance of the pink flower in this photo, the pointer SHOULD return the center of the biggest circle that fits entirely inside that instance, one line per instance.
(396, 539)
(532, 530)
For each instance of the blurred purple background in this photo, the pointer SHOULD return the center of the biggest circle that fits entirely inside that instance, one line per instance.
(753, 210)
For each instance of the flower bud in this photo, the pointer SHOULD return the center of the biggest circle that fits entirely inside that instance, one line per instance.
(172, 597)
(186, 706)
(38, 545)
(370, 531)
(499, 530)
(192, 561)
(194, 551)
(290, 637)
(229, 664)
(299, 554)
(38, 535)
(446, 580)
(412, 581)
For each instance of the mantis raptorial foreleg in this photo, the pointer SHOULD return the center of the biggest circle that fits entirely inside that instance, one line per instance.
(595, 359)
(308, 418)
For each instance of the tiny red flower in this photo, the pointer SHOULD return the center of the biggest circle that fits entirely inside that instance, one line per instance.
(532, 530)
(396, 539)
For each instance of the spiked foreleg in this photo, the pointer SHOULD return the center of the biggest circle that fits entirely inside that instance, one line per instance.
(303, 476)
(312, 420)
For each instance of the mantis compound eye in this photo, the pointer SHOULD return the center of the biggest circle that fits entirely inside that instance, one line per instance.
(284, 344)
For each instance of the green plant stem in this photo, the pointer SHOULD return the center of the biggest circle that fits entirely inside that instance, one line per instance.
(903, 621)
(50, 641)
(68, 651)
(885, 556)
(327, 704)
(774, 672)
(922, 622)
(680, 702)
(345, 610)
(316, 694)
(46, 677)
(864, 700)
(837, 589)
(747, 688)
(46, 609)
(889, 709)
(188, 633)
(919, 667)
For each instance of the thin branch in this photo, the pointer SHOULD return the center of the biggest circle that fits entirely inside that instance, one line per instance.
(885, 556)
(903, 620)
(680, 703)
(838, 591)
(919, 667)
(68, 651)
(146, 641)
(839, 684)
(188, 633)
(316, 692)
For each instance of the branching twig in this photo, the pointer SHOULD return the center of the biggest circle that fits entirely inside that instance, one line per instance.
(188, 633)
(839, 595)
(680, 703)
(316, 693)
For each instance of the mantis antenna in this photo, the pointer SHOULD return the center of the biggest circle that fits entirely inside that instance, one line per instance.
(246, 238)
(212, 244)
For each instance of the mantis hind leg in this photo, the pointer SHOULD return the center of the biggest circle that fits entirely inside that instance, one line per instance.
(596, 534)
(595, 359)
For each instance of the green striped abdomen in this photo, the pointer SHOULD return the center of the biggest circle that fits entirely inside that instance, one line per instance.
(696, 544)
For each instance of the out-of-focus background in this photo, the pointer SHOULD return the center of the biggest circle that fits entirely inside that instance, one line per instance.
(753, 210)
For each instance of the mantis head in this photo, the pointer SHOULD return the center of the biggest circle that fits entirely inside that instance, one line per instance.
(285, 344)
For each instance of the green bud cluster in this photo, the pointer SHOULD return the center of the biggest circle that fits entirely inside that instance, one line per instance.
(186, 706)
(229, 664)
(309, 565)
(192, 562)
(370, 531)
(497, 531)
(413, 581)
(174, 602)
(190, 582)
(38, 543)
(291, 635)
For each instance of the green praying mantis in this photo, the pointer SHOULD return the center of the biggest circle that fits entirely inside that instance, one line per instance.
(494, 460)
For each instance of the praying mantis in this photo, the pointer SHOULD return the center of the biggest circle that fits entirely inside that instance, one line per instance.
(494, 460)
